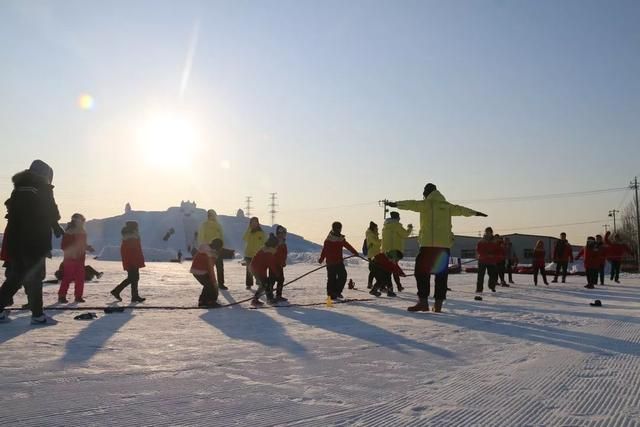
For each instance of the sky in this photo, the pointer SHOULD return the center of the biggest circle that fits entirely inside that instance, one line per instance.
(333, 105)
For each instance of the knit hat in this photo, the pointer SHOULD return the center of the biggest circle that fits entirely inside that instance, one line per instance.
(278, 228)
(428, 189)
(77, 217)
(272, 241)
(372, 225)
(336, 227)
(216, 244)
(42, 169)
(394, 215)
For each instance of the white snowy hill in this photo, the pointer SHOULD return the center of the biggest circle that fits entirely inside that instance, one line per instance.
(160, 243)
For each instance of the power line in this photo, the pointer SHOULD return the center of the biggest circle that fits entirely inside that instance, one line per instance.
(544, 196)
(533, 227)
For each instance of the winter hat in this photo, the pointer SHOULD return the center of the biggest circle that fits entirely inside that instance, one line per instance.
(394, 215)
(216, 244)
(212, 213)
(336, 227)
(278, 228)
(373, 225)
(428, 189)
(42, 169)
(272, 241)
(78, 217)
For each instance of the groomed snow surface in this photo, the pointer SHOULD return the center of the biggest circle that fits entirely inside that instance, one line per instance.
(524, 356)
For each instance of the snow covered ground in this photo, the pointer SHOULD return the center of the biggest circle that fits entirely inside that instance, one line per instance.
(523, 356)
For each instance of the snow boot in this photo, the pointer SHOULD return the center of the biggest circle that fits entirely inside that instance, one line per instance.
(555, 280)
(375, 292)
(138, 298)
(26, 306)
(40, 320)
(116, 295)
(255, 302)
(79, 299)
(504, 285)
(280, 298)
(62, 299)
(223, 287)
(391, 294)
(99, 274)
(437, 306)
(478, 296)
(422, 305)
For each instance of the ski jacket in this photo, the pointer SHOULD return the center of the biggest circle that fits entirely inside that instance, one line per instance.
(591, 256)
(562, 252)
(616, 250)
(601, 253)
(131, 252)
(281, 259)
(3, 252)
(74, 245)
(487, 251)
(387, 265)
(332, 249)
(373, 243)
(254, 241)
(203, 262)
(538, 258)
(210, 230)
(394, 235)
(32, 214)
(264, 262)
(435, 219)
(501, 253)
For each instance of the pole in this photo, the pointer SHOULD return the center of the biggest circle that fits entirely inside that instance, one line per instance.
(634, 185)
(383, 203)
(613, 214)
(273, 210)
(606, 228)
(248, 207)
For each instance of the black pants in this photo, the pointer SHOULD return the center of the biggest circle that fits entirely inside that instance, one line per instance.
(540, 270)
(265, 286)
(371, 276)
(277, 280)
(431, 260)
(209, 294)
(615, 270)
(248, 278)
(220, 270)
(510, 271)
(561, 265)
(592, 276)
(491, 271)
(500, 267)
(30, 274)
(336, 279)
(133, 277)
(383, 277)
(601, 274)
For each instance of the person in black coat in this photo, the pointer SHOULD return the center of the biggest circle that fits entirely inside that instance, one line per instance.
(32, 217)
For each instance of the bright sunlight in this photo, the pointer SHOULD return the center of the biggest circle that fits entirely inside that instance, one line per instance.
(168, 140)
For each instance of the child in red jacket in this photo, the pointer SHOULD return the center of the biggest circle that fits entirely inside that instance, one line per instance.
(539, 263)
(262, 264)
(277, 275)
(332, 252)
(202, 270)
(74, 246)
(486, 251)
(132, 261)
(383, 269)
(591, 261)
(616, 250)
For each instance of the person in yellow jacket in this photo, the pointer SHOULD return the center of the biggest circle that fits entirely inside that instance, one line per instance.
(208, 232)
(435, 239)
(393, 238)
(373, 244)
(254, 239)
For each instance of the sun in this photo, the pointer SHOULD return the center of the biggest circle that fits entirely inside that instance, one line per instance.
(168, 140)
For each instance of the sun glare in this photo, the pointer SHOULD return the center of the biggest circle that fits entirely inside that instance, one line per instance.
(168, 141)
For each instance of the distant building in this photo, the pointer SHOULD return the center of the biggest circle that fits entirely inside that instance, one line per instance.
(523, 244)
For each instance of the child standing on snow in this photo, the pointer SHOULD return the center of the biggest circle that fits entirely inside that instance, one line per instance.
(262, 264)
(132, 261)
(202, 270)
(332, 252)
(277, 275)
(591, 261)
(254, 239)
(486, 253)
(539, 263)
(616, 251)
(74, 246)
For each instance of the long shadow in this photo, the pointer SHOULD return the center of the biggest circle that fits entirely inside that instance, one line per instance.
(579, 341)
(21, 325)
(253, 325)
(343, 324)
(92, 338)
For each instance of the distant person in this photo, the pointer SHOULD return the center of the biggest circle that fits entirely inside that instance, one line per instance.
(332, 252)
(501, 259)
(601, 257)
(562, 256)
(202, 269)
(277, 276)
(132, 261)
(74, 245)
(486, 250)
(373, 246)
(435, 240)
(254, 239)
(263, 264)
(31, 218)
(591, 261)
(539, 263)
(616, 251)
(208, 231)
(511, 259)
(179, 255)
(394, 236)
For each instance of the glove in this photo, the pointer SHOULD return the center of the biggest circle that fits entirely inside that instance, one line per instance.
(319, 261)
(57, 230)
(481, 214)
(392, 204)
